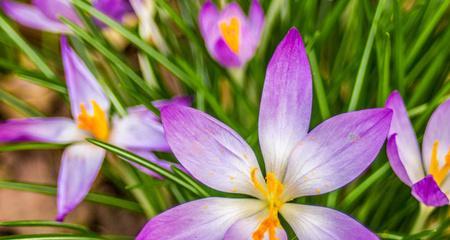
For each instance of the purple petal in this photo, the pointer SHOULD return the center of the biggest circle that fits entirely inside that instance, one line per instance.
(207, 218)
(252, 32)
(428, 192)
(336, 152)
(32, 17)
(394, 160)
(311, 222)
(286, 102)
(212, 152)
(233, 10)
(55, 130)
(79, 168)
(207, 21)
(54, 9)
(81, 84)
(181, 100)
(407, 146)
(438, 128)
(223, 54)
(141, 129)
(244, 228)
(115, 9)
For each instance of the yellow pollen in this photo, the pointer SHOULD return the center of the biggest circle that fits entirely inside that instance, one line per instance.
(273, 194)
(438, 173)
(231, 33)
(96, 124)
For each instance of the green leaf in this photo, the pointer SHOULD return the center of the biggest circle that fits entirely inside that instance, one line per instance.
(19, 105)
(91, 197)
(44, 223)
(149, 165)
(27, 49)
(30, 146)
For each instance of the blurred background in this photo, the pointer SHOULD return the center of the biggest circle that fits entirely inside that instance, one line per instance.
(359, 52)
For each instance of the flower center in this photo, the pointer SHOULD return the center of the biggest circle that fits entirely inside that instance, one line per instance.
(96, 124)
(439, 173)
(230, 33)
(273, 196)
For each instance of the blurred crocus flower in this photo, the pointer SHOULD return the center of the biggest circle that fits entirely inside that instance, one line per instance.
(44, 14)
(297, 163)
(426, 173)
(140, 131)
(230, 36)
(148, 29)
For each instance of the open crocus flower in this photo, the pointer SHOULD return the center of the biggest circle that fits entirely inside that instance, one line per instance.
(426, 174)
(230, 36)
(140, 131)
(44, 14)
(297, 163)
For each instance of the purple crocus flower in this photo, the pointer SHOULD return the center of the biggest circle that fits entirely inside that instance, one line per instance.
(426, 174)
(44, 14)
(140, 131)
(230, 36)
(297, 163)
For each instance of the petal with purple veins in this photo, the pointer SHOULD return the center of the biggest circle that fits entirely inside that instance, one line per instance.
(207, 218)
(212, 152)
(311, 222)
(336, 152)
(286, 102)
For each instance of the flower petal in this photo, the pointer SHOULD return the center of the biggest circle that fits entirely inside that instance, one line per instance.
(141, 129)
(252, 31)
(81, 84)
(394, 160)
(212, 152)
(336, 152)
(32, 17)
(407, 146)
(311, 222)
(55, 130)
(428, 192)
(286, 102)
(181, 100)
(54, 9)
(207, 21)
(79, 168)
(438, 128)
(207, 218)
(223, 54)
(115, 9)
(244, 228)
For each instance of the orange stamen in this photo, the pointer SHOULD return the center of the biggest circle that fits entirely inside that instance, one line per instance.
(273, 193)
(439, 173)
(96, 124)
(231, 33)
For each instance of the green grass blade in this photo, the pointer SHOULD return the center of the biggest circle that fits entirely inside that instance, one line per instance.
(19, 104)
(44, 223)
(30, 146)
(27, 49)
(145, 163)
(365, 59)
(91, 197)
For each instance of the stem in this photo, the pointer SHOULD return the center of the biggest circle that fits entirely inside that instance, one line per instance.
(424, 213)
(131, 179)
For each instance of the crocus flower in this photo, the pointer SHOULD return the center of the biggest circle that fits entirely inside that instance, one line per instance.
(231, 37)
(140, 131)
(426, 173)
(297, 163)
(44, 14)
